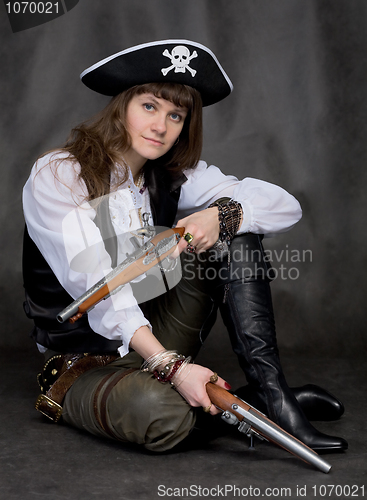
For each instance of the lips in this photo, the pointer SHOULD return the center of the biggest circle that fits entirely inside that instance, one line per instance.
(153, 141)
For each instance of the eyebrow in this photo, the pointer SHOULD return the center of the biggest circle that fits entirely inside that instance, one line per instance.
(154, 100)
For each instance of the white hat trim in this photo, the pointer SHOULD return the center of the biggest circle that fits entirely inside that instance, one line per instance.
(150, 44)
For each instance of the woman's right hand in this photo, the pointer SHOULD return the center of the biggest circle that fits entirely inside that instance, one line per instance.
(190, 381)
(191, 384)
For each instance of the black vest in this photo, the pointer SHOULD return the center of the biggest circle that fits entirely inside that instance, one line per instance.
(45, 297)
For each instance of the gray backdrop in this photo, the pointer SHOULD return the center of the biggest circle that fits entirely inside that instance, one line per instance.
(297, 118)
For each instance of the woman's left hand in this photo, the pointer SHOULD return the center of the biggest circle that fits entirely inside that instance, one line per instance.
(203, 226)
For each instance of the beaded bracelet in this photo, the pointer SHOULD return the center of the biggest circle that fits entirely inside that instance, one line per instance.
(164, 377)
(229, 215)
(170, 360)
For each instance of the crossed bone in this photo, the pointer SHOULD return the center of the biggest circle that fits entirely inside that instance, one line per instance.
(186, 64)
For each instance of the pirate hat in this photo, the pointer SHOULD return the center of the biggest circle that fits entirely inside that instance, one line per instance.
(174, 61)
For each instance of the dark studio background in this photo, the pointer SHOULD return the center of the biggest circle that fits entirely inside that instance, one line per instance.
(297, 118)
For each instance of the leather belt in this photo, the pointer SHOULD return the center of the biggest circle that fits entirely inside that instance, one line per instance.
(99, 404)
(63, 370)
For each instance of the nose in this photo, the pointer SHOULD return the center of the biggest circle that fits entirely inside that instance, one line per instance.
(159, 124)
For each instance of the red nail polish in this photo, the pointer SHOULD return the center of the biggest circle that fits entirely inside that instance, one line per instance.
(228, 386)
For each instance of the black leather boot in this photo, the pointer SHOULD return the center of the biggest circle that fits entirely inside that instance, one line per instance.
(317, 403)
(248, 315)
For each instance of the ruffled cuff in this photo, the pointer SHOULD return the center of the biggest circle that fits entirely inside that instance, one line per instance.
(246, 218)
(128, 330)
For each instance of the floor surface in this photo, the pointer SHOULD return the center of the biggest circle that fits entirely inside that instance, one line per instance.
(41, 460)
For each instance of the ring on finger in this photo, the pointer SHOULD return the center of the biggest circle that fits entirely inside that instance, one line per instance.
(214, 378)
(191, 248)
(188, 237)
(206, 409)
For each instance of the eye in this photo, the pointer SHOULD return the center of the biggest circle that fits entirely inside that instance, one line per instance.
(148, 107)
(176, 117)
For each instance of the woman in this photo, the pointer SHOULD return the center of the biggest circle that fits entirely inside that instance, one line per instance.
(142, 155)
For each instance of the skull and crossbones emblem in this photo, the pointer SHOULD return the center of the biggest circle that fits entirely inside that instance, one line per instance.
(180, 59)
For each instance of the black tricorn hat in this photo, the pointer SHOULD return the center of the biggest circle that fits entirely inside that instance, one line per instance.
(176, 61)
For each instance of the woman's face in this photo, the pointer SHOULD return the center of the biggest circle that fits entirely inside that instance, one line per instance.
(154, 125)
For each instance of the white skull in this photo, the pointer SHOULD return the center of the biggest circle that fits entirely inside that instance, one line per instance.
(180, 58)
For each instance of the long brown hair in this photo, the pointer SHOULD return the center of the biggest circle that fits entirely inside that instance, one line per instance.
(99, 143)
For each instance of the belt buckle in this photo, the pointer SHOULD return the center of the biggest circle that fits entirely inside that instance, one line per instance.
(48, 407)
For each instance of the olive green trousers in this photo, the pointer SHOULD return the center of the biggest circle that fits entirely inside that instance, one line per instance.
(132, 406)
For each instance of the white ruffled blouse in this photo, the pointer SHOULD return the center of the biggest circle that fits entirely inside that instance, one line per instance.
(60, 223)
